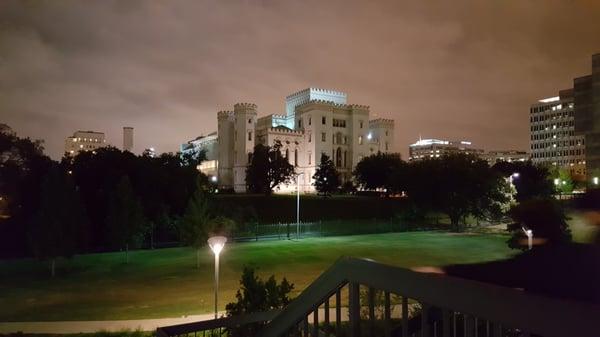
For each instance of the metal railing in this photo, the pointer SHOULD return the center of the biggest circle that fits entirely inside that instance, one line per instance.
(384, 300)
(358, 297)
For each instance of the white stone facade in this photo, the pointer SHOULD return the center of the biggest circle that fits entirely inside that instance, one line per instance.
(341, 131)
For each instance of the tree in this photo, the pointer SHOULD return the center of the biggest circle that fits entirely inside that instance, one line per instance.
(23, 167)
(199, 222)
(457, 185)
(125, 220)
(531, 182)
(376, 171)
(58, 228)
(544, 217)
(256, 295)
(268, 169)
(562, 179)
(327, 178)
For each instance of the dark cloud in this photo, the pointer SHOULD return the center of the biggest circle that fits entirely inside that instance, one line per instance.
(451, 69)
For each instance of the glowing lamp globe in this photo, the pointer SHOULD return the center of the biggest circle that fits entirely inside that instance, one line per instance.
(216, 243)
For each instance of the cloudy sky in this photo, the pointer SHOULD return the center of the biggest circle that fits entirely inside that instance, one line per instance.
(445, 69)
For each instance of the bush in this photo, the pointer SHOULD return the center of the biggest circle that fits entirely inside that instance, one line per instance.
(544, 217)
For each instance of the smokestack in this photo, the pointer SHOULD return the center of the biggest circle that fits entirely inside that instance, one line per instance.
(127, 138)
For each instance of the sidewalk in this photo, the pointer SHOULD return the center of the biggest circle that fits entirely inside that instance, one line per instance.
(94, 326)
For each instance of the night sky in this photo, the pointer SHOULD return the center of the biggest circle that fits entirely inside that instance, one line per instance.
(445, 69)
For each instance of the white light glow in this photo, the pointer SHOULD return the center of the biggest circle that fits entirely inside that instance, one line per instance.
(549, 99)
(217, 243)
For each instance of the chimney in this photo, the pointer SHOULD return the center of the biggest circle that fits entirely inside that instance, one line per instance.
(127, 138)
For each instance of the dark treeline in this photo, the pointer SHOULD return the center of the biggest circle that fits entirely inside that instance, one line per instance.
(116, 198)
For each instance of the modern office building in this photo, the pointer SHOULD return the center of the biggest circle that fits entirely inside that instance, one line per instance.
(317, 121)
(553, 139)
(84, 141)
(586, 98)
(435, 148)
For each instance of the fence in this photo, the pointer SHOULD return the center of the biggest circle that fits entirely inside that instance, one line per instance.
(290, 230)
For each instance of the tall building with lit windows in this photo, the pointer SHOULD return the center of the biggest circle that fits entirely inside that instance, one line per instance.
(565, 129)
(553, 140)
(316, 121)
(84, 141)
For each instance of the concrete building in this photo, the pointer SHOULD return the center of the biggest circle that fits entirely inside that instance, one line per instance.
(553, 139)
(84, 141)
(493, 157)
(586, 97)
(209, 145)
(435, 148)
(128, 138)
(316, 121)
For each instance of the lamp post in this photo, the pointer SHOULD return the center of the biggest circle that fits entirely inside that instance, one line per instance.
(216, 244)
(529, 234)
(298, 205)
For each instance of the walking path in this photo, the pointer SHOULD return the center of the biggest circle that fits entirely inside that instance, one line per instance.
(94, 326)
(67, 327)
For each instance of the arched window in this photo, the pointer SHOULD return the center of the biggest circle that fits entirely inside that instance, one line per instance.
(338, 157)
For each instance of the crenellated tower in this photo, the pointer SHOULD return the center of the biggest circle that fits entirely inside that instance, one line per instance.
(243, 142)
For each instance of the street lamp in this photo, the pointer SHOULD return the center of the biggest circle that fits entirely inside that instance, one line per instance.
(298, 205)
(513, 177)
(529, 234)
(216, 244)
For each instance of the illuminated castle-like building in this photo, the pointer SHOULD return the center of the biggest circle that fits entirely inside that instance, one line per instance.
(316, 121)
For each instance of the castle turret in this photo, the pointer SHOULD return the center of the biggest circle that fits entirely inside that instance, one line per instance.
(243, 141)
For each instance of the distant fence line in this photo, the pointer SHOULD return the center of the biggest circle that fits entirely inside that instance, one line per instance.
(285, 230)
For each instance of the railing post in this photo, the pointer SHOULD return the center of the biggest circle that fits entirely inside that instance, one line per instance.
(372, 311)
(326, 315)
(446, 314)
(354, 309)
(316, 321)
(404, 316)
(469, 325)
(338, 311)
(305, 326)
(424, 320)
(387, 313)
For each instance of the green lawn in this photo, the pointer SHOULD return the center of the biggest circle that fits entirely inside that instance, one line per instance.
(165, 283)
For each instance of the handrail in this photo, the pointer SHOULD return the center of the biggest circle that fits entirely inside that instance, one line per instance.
(510, 307)
(223, 322)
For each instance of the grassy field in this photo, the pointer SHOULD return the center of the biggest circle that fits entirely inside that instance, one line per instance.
(165, 283)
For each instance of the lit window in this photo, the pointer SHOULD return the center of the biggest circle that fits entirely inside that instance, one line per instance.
(360, 140)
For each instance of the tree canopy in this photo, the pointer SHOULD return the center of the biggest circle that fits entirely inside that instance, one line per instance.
(327, 178)
(268, 169)
(256, 295)
(379, 171)
(531, 181)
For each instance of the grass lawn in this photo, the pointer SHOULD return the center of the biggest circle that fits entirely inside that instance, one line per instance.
(166, 283)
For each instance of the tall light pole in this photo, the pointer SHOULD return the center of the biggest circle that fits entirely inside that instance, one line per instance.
(216, 244)
(298, 205)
